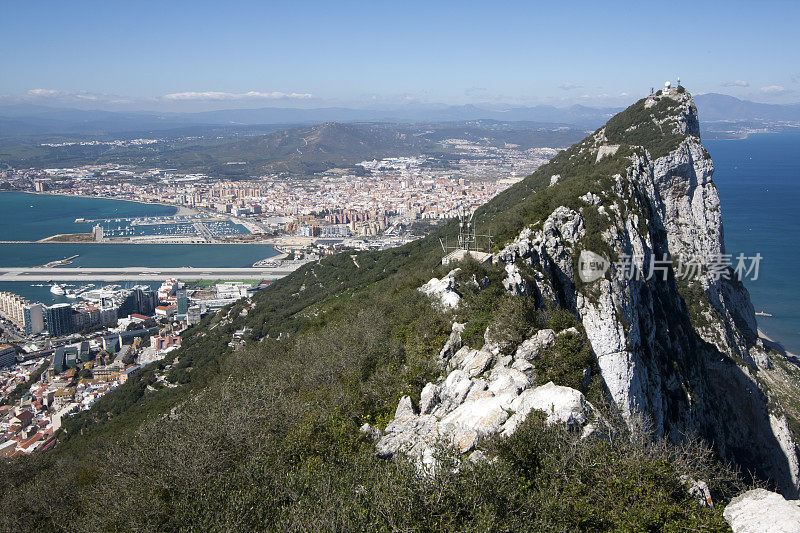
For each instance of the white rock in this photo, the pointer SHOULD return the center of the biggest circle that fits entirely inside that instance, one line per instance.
(503, 380)
(473, 362)
(484, 416)
(443, 291)
(429, 398)
(561, 404)
(762, 511)
(698, 489)
(371, 431)
(453, 343)
(606, 150)
(591, 198)
(532, 347)
(514, 283)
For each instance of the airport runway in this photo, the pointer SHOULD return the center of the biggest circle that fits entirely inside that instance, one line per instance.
(143, 273)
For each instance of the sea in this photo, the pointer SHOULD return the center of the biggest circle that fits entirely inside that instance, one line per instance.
(758, 180)
(28, 217)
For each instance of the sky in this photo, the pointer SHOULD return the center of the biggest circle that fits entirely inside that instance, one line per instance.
(192, 55)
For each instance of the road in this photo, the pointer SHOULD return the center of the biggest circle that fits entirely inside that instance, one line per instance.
(144, 273)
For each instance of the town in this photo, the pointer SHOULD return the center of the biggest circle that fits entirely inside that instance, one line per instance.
(59, 359)
(383, 202)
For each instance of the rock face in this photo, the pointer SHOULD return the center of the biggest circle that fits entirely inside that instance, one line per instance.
(443, 291)
(685, 353)
(481, 395)
(762, 511)
(682, 350)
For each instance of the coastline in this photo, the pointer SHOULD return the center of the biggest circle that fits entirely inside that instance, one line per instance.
(775, 345)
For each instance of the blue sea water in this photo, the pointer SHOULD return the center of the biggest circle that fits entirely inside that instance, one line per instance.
(29, 217)
(56, 214)
(758, 179)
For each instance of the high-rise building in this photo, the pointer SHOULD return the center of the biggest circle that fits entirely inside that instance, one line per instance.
(193, 315)
(139, 301)
(33, 317)
(8, 355)
(58, 318)
(181, 295)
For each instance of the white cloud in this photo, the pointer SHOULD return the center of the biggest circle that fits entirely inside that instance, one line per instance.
(255, 95)
(774, 89)
(737, 83)
(62, 95)
(44, 92)
(568, 86)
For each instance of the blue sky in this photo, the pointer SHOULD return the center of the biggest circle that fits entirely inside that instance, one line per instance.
(176, 54)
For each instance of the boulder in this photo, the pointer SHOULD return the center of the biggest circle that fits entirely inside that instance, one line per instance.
(453, 343)
(514, 283)
(429, 398)
(483, 416)
(699, 490)
(530, 348)
(473, 362)
(762, 511)
(443, 291)
(561, 404)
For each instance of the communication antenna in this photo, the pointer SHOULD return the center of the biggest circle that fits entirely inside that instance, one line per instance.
(467, 236)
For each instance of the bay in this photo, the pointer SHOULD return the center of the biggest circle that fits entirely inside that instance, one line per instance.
(30, 217)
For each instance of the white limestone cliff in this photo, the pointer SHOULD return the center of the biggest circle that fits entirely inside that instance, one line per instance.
(685, 354)
(686, 377)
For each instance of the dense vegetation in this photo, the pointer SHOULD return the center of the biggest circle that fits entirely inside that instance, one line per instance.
(267, 437)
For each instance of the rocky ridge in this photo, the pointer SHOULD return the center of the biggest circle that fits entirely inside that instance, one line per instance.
(484, 393)
(685, 353)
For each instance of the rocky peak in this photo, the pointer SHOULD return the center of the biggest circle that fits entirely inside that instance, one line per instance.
(638, 195)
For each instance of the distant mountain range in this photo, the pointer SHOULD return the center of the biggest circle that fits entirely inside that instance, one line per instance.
(721, 107)
(299, 150)
(26, 119)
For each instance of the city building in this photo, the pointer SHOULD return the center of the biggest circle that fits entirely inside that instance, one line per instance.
(33, 318)
(193, 315)
(182, 300)
(164, 342)
(8, 356)
(58, 319)
(166, 310)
